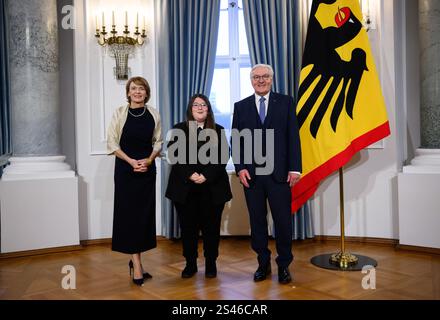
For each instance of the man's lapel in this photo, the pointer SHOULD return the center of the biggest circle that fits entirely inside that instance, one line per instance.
(252, 114)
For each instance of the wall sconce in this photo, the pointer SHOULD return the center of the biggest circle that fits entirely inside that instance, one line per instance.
(368, 21)
(121, 46)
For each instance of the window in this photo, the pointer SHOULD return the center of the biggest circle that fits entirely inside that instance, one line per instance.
(231, 81)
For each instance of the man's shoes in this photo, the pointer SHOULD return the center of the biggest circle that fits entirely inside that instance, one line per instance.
(284, 275)
(262, 272)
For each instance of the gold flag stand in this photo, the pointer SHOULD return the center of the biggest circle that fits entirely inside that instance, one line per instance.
(343, 261)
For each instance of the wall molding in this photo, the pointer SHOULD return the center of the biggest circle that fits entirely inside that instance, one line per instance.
(37, 252)
(361, 240)
(418, 249)
(318, 239)
(108, 241)
(376, 241)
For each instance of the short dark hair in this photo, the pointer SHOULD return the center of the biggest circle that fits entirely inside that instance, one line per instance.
(141, 82)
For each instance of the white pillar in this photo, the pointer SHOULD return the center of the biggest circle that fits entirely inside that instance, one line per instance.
(429, 32)
(38, 191)
(35, 101)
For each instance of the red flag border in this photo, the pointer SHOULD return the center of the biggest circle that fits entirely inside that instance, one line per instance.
(308, 184)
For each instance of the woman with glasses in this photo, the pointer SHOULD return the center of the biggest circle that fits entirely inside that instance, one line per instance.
(198, 183)
(134, 137)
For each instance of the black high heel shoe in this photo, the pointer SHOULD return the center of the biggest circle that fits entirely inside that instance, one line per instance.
(146, 275)
(138, 282)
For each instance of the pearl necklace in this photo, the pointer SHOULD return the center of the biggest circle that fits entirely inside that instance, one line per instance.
(138, 115)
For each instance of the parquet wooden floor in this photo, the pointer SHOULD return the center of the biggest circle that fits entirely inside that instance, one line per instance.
(103, 274)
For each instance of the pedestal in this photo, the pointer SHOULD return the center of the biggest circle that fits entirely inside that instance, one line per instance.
(426, 161)
(419, 201)
(38, 213)
(27, 168)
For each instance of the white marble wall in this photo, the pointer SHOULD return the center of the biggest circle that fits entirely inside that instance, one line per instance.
(429, 20)
(34, 77)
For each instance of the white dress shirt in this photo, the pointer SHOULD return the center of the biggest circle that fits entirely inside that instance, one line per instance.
(266, 102)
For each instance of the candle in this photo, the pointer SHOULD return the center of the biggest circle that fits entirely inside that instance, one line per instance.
(137, 20)
(144, 23)
(113, 18)
(96, 22)
(126, 18)
(103, 23)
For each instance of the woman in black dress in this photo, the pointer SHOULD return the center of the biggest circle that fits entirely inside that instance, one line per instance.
(200, 189)
(134, 137)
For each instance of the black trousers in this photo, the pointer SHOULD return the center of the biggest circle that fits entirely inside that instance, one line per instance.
(261, 189)
(199, 214)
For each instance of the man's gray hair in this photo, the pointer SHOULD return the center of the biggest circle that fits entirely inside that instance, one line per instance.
(260, 65)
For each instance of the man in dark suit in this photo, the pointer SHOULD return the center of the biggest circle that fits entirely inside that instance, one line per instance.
(266, 110)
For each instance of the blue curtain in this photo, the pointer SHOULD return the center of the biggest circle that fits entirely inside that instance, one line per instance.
(187, 33)
(274, 37)
(5, 113)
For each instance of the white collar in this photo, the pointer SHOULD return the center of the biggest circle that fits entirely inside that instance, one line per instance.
(257, 96)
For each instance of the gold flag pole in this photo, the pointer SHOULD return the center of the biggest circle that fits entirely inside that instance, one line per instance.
(342, 260)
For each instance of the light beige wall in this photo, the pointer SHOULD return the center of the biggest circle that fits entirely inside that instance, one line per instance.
(97, 95)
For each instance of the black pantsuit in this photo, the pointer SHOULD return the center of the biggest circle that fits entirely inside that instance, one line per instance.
(199, 214)
(199, 206)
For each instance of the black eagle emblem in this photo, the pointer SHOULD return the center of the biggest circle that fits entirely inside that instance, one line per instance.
(320, 51)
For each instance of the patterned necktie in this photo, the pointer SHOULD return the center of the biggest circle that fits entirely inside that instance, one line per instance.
(262, 109)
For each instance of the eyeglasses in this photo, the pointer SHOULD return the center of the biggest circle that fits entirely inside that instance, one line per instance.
(197, 105)
(264, 77)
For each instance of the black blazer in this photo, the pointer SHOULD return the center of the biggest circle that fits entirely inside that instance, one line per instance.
(281, 117)
(217, 180)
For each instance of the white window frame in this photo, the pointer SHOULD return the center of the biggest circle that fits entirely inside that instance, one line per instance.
(234, 61)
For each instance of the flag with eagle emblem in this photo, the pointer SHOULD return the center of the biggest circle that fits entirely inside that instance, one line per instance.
(340, 107)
